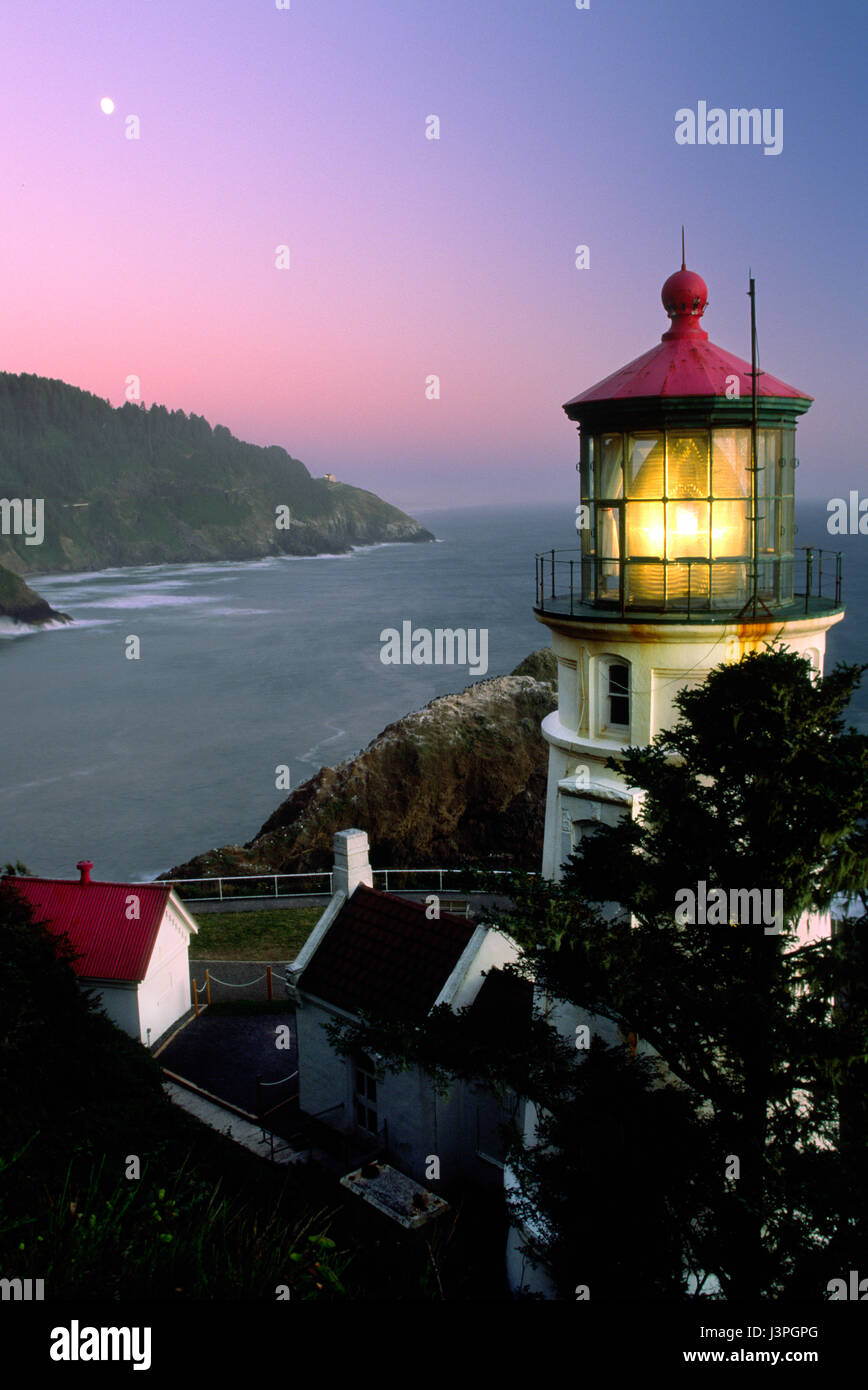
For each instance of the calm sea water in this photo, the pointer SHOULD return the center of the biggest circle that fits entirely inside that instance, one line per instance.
(138, 765)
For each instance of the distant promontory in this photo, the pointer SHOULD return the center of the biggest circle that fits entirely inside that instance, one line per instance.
(19, 603)
(133, 486)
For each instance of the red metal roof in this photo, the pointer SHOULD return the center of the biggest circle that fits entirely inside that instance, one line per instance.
(684, 363)
(382, 954)
(109, 945)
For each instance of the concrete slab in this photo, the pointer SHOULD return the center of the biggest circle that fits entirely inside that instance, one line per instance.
(395, 1195)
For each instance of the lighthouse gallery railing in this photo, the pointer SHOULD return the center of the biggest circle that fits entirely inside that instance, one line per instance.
(570, 583)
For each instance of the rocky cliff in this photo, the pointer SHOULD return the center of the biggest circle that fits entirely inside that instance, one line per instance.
(19, 603)
(459, 782)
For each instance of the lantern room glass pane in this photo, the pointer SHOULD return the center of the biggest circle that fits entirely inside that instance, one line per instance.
(768, 456)
(687, 463)
(730, 584)
(586, 467)
(608, 539)
(787, 526)
(608, 565)
(730, 463)
(645, 533)
(687, 585)
(645, 465)
(787, 463)
(687, 530)
(730, 529)
(610, 477)
(644, 584)
(768, 452)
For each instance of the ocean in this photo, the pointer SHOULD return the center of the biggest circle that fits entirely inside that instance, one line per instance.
(246, 667)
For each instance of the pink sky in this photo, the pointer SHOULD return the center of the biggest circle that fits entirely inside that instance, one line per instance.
(410, 256)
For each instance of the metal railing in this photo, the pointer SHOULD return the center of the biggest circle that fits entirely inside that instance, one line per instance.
(256, 886)
(390, 880)
(569, 582)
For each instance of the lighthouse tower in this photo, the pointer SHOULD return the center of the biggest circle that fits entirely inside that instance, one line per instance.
(687, 555)
(687, 559)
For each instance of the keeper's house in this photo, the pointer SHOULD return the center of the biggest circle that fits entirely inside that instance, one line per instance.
(131, 941)
(377, 953)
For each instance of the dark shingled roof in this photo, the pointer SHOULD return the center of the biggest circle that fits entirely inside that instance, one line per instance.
(382, 955)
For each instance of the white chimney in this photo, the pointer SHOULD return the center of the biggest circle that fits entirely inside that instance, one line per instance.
(352, 865)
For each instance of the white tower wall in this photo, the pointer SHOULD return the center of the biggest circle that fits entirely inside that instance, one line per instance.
(661, 659)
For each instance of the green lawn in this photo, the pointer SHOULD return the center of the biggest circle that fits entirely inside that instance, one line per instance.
(266, 934)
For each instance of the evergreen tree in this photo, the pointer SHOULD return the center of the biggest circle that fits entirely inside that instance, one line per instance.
(747, 1163)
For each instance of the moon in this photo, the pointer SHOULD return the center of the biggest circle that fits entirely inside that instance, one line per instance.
(106, 105)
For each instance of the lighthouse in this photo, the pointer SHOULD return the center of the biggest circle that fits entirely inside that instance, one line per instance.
(687, 559)
(687, 555)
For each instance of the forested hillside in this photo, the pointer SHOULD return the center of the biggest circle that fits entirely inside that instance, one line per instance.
(128, 485)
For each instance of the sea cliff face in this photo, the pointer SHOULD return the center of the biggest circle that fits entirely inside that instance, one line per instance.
(459, 782)
(19, 604)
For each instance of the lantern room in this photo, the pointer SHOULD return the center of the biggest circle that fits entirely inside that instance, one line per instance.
(687, 555)
(687, 482)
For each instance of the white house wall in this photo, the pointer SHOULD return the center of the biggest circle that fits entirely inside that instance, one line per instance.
(120, 1002)
(420, 1123)
(321, 1079)
(164, 994)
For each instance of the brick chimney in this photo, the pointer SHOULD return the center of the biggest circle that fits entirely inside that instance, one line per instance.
(84, 867)
(352, 865)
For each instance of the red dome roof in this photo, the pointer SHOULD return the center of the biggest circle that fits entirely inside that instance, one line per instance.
(685, 293)
(685, 363)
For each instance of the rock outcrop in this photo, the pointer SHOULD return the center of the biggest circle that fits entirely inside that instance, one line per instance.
(19, 603)
(459, 782)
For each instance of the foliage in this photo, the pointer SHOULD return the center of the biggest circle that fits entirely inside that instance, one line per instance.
(77, 1099)
(761, 1046)
(206, 1219)
(140, 485)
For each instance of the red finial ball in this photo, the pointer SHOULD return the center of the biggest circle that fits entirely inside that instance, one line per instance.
(685, 293)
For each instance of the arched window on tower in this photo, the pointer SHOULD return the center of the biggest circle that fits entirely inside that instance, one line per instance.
(614, 703)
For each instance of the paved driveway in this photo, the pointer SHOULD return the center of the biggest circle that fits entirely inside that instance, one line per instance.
(225, 1054)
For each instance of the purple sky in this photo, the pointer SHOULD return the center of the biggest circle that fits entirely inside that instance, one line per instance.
(409, 256)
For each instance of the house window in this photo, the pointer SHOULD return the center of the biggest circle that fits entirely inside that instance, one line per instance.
(366, 1094)
(493, 1117)
(579, 830)
(619, 694)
